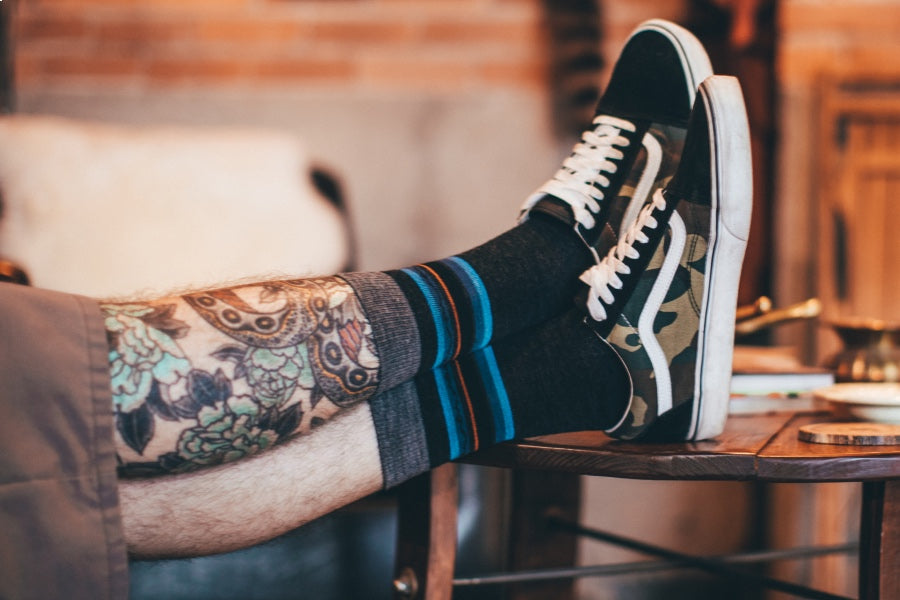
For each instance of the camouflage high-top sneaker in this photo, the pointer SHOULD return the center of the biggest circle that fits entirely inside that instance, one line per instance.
(675, 332)
(636, 139)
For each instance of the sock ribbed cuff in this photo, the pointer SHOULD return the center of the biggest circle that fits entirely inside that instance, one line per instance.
(394, 327)
(402, 445)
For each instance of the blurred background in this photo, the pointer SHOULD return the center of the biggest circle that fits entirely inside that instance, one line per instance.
(438, 117)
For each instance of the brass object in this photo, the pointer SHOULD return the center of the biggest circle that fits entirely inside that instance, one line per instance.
(808, 309)
(762, 305)
(871, 350)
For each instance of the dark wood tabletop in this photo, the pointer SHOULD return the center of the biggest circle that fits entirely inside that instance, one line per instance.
(763, 447)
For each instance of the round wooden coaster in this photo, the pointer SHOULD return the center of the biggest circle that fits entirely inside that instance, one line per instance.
(851, 434)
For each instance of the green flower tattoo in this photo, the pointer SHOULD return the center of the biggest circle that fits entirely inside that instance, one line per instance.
(225, 432)
(275, 373)
(142, 351)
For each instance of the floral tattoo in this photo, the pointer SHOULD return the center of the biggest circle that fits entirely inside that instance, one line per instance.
(288, 356)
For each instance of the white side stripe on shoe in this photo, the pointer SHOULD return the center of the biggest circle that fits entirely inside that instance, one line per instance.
(645, 183)
(651, 308)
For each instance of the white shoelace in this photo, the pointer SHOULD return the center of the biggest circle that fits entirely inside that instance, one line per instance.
(590, 159)
(604, 277)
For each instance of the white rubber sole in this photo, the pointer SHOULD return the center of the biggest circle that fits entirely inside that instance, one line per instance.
(697, 68)
(732, 197)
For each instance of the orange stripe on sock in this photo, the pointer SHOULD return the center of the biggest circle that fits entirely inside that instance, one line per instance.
(465, 391)
(452, 306)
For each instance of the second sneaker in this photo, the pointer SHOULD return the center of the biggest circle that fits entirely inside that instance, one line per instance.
(669, 315)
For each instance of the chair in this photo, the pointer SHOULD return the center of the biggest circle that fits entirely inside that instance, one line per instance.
(108, 210)
(763, 447)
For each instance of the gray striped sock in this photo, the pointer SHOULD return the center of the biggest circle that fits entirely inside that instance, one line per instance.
(394, 327)
(402, 446)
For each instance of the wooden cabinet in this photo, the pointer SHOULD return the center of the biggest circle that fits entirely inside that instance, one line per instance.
(858, 195)
(837, 188)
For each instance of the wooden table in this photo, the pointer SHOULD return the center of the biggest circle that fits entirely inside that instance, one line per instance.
(762, 447)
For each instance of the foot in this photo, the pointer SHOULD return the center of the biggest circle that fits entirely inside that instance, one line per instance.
(678, 269)
(636, 139)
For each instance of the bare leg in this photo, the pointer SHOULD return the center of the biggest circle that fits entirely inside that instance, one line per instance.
(249, 501)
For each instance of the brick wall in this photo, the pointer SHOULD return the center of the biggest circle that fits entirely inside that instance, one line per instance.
(416, 44)
(432, 44)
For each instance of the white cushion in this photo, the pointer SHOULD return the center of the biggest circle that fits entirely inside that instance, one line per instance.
(109, 210)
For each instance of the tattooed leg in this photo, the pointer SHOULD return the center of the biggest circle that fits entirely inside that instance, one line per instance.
(210, 377)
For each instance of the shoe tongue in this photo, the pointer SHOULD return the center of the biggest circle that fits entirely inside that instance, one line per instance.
(555, 207)
(606, 239)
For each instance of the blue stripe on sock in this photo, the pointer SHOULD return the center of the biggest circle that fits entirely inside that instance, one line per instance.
(481, 303)
(449, 396)
(504, 427)
(442, 353)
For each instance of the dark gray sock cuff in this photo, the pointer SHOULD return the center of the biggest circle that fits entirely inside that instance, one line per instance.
(393, 326)
(402, 446)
